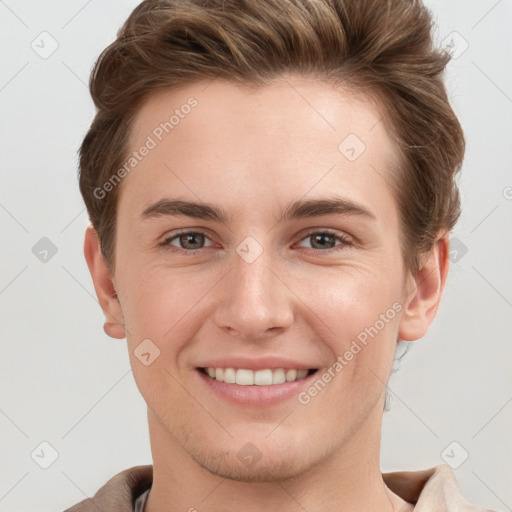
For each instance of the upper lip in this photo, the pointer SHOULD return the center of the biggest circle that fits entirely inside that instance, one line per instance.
(260, 363)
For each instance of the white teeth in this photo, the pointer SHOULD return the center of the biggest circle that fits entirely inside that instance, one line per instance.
(265, 377)
(229, 375)
(244, 377)
(278, 376)
(291, 375)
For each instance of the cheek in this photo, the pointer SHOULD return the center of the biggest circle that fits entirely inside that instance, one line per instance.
(358, 315)
(161, 302)
(349, 300)
(164, 309)
(361, 337)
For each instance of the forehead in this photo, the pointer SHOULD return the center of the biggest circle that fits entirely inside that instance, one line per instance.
(222, 142)
(290, 103)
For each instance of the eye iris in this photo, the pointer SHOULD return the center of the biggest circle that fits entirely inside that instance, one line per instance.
(189, 237)
(196, 240)
(320, 237)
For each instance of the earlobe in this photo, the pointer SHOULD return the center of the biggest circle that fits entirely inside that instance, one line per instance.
(103, 284)
(424, 292)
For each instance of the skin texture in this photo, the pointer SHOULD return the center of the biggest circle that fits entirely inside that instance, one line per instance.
(252, 152)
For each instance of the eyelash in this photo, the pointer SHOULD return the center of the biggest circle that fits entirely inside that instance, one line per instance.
(345, 242)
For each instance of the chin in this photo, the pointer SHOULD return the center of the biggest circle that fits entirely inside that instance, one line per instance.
(266, 469)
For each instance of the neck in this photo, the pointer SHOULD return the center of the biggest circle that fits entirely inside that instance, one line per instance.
(348, 478)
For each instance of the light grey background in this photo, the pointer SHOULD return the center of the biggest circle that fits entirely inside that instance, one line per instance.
(66, 383)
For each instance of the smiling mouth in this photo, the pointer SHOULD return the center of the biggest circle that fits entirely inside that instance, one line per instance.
(264, 377)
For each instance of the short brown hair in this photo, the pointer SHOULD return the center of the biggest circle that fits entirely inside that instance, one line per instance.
(380, 47)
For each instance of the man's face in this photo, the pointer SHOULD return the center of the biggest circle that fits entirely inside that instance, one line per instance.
(261, 290)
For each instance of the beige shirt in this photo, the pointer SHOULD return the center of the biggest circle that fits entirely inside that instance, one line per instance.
(430, 490)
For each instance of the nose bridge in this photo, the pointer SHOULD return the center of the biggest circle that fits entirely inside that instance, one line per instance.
(253, 301)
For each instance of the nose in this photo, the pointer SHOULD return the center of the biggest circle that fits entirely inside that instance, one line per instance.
(255, 302)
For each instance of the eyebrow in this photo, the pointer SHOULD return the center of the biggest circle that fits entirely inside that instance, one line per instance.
(295, 210)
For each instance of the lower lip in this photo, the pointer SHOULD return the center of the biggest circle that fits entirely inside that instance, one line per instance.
(255, 396)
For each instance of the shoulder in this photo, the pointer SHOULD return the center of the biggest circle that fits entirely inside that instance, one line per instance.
(432, 489)
(119, 492)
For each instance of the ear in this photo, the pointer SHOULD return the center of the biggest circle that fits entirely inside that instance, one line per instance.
(104, 286)
(424, 292)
